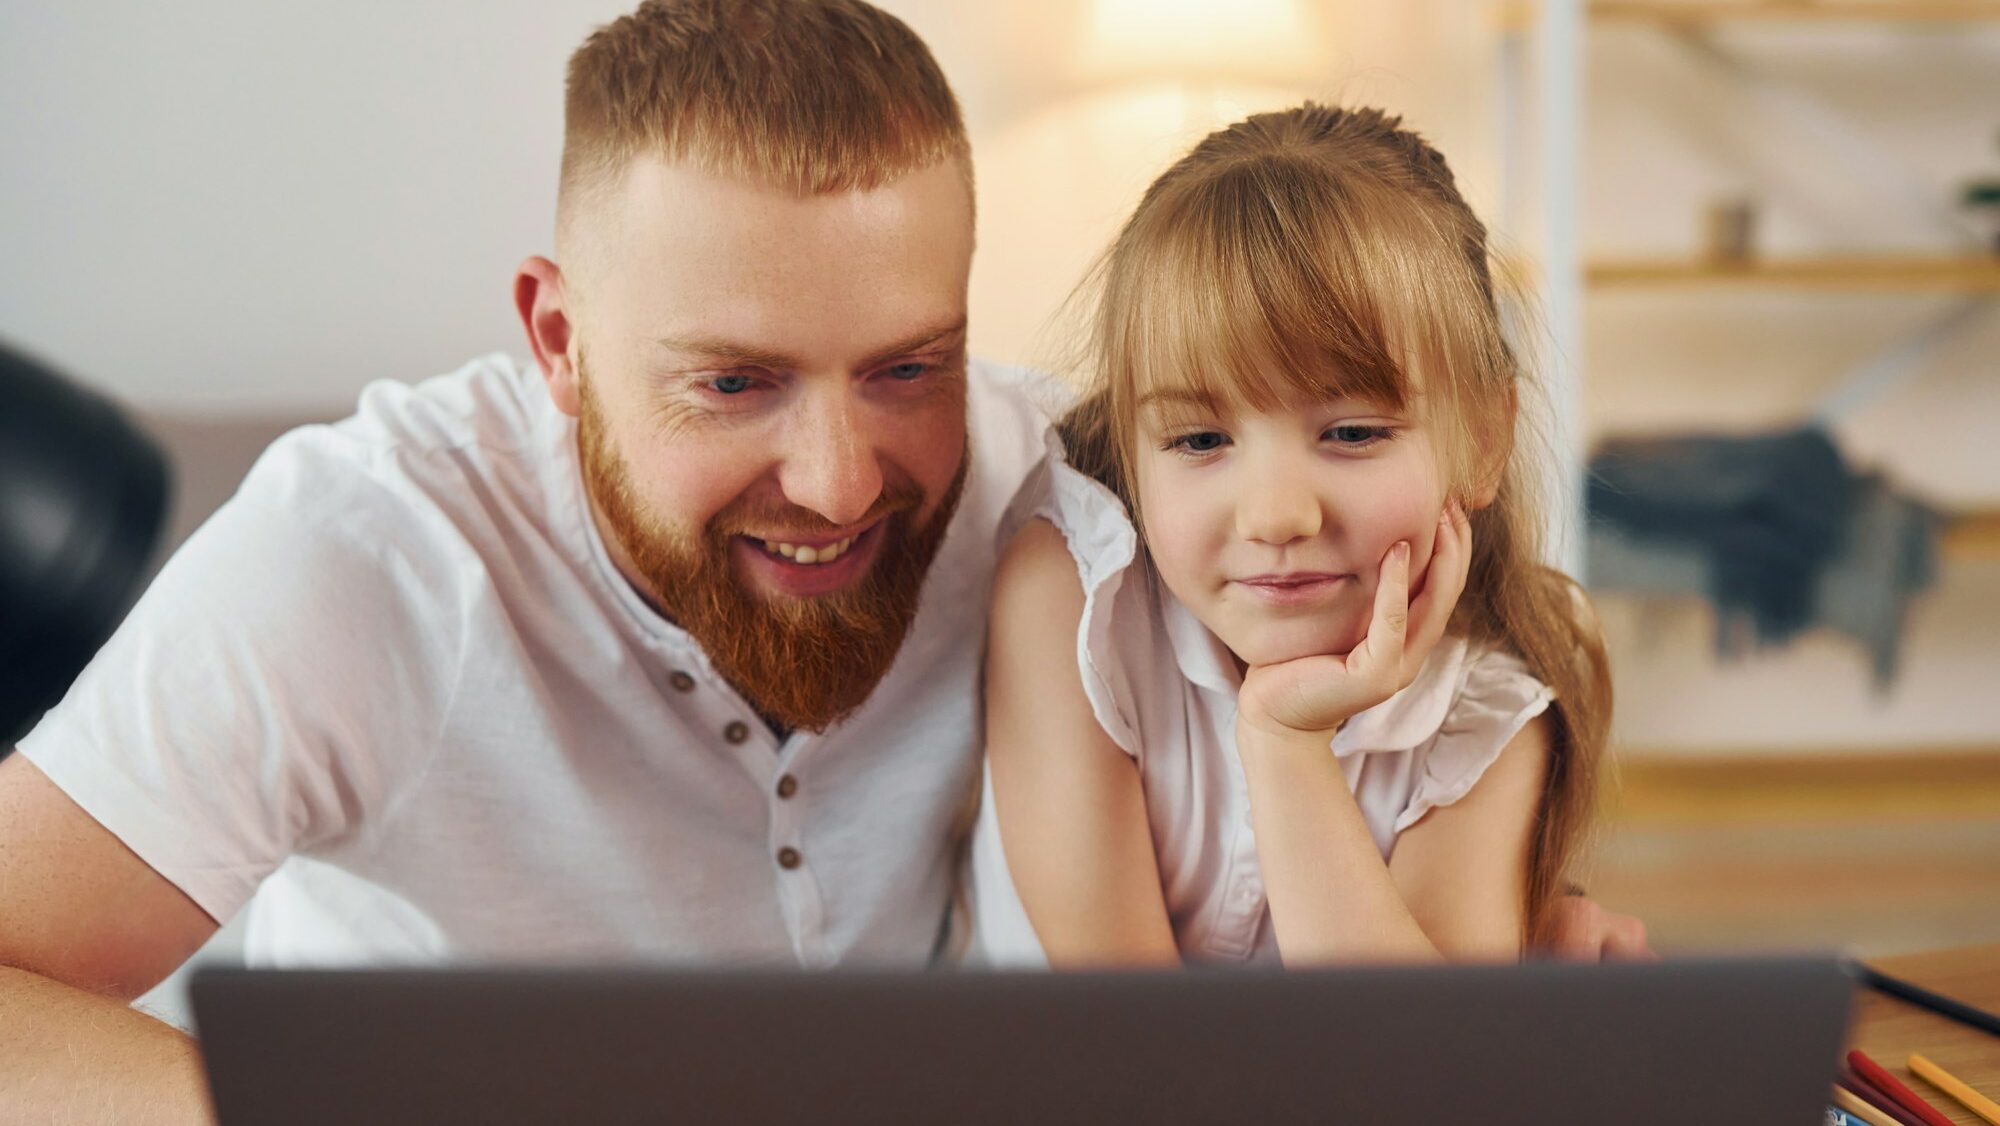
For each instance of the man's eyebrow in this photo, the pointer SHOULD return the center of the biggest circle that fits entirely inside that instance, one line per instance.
(749, 355)
(729, 352)
(916, 343)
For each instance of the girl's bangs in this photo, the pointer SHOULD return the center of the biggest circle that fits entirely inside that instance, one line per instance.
(1240, 304)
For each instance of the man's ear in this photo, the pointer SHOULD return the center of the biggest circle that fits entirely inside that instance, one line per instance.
(1490, 464)
(545, 313)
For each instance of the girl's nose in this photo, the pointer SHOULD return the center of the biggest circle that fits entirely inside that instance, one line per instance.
(1277, 507)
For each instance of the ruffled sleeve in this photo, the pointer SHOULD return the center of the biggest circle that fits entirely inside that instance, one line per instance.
(1497, 696)
(1116, 628)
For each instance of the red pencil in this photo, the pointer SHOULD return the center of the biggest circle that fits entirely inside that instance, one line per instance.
(1893, 1087)
(1877, 1097)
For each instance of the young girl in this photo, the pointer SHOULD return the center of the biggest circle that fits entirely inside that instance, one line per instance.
(1274, 670)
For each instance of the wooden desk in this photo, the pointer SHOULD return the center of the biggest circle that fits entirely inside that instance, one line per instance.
(1889, 1029)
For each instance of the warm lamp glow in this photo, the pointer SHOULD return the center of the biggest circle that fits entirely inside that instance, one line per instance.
(1262, 41)
(1054, 188)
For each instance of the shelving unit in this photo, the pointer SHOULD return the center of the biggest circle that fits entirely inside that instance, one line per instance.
(1545, 45)
(1972, 535)
(1742, 810)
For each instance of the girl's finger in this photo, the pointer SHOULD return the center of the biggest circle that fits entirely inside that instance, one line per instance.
(1383, 647)
(1451, 562)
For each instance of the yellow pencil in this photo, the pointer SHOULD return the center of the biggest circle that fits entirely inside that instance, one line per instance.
(1955, 1087)
(1857, 1107)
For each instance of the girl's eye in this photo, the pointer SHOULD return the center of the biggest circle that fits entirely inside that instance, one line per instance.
(909, 372)
(734, 383)
(1200, 442)
(1356, 435)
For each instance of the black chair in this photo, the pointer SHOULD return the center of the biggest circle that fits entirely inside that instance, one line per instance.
(83, 496)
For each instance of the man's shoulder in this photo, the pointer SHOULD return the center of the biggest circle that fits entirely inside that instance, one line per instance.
(1009, 413)
(414, 453)
(441, 475)
(1020, 393)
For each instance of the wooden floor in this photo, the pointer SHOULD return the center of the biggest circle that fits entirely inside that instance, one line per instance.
(1870, 852)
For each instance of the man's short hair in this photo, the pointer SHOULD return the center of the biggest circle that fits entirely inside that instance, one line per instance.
(812, 96)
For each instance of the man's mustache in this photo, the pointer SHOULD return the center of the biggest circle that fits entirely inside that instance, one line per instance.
(775, 521)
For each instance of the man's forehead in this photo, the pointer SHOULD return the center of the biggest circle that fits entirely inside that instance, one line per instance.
(783, 347)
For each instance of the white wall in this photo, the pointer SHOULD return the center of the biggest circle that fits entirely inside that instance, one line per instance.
(245, 207)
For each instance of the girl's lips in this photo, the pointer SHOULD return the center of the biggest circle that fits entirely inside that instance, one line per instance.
(1294, 588)
(1290, 578)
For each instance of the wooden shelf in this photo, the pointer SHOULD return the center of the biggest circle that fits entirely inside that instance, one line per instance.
(1707, 12)
(1973, 535)
(1651, 786)
(1891, 273)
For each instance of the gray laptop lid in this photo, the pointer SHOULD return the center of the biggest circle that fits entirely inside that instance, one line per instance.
(1749, 1042)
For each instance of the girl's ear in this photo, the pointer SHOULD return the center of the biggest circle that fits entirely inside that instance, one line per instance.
(1490, 466)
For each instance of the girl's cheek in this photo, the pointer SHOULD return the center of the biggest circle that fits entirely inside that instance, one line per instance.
(1175, 546)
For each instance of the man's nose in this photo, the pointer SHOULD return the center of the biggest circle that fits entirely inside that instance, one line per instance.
(1276, 505)
(831, 467)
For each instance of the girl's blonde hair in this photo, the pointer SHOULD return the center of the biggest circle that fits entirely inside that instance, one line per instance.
(1325, 251)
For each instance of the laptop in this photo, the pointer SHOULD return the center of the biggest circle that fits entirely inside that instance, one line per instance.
(1736, 1042)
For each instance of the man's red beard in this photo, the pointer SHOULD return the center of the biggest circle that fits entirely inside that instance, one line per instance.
(804, 663)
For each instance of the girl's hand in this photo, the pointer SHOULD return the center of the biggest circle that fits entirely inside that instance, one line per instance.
(1315, 695)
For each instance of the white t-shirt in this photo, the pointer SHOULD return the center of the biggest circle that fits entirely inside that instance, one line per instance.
(397, 689)
(1164, 689)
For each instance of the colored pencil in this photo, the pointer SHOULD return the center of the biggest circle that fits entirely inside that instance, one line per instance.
(1955, 1087)
(1896, 1089)
(1885, 1107)
(1859, 1109)
(1935, 1002)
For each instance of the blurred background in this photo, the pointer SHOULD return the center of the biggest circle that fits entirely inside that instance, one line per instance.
(1757, 236)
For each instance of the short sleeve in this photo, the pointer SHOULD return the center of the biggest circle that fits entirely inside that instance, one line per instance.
(290, 665)
(1104, 546)
(1497, 697)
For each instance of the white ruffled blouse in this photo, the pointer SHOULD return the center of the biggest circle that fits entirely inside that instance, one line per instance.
(1164, 689)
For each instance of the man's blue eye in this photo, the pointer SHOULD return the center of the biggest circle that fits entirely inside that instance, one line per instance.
(731, 384)
(908, 372)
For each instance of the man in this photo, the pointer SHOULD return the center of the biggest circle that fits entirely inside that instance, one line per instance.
(672, 652)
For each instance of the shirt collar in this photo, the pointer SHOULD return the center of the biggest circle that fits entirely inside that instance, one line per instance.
(1411, 717)
(1203, 659)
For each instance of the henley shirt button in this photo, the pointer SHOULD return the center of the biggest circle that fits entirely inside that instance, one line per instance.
(681, 681)
(789, 858)
(736, 732)
(787, 786)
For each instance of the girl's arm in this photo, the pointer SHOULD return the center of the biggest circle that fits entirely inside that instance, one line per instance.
(1454, 888)
(1332, 898)
(1463, 868)
(1072, 816)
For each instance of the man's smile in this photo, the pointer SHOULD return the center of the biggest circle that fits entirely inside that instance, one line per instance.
(806, 567)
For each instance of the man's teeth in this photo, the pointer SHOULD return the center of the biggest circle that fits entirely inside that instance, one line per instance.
(814, 555)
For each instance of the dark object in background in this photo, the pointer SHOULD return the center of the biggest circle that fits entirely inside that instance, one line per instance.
(1768, 510)
(1774, 529)
(83, 494)
(1981, 200)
